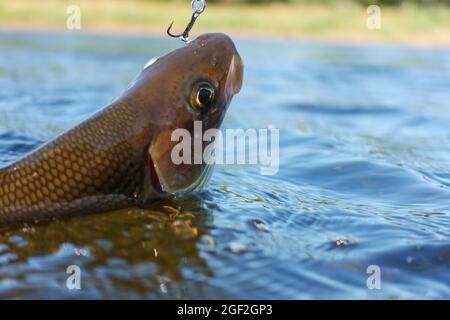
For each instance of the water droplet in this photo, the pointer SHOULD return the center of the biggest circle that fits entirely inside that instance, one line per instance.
(343, 242)
(209, 242)
(163, 287)
(260, 225)
(237, 247)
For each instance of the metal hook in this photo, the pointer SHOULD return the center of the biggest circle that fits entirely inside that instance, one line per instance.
(198, 6)
(184, 36)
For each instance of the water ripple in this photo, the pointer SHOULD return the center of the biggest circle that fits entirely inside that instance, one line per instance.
(363, 178)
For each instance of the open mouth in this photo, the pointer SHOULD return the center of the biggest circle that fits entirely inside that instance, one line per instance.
(154, 179)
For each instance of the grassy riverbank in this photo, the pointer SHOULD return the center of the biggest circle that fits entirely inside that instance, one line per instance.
(334, 20)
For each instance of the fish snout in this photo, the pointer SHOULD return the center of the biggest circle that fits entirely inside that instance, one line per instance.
(232, 65)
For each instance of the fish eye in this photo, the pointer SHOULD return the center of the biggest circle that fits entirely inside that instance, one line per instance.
(202, 96)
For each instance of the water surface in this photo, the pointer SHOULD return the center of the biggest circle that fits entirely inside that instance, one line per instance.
(364, 177)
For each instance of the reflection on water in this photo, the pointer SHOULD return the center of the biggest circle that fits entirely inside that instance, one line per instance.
(364, 177)
(142, 252)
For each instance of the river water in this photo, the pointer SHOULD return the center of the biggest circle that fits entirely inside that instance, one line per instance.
(363, 181)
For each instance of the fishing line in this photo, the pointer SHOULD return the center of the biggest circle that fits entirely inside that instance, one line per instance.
(198, 6)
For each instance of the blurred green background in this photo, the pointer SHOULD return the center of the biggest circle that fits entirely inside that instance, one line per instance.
(411, 21)
(364, 2)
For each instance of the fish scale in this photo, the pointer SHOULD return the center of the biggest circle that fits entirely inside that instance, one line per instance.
(86, 168)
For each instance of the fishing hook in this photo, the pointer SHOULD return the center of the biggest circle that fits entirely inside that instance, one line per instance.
(198, 6)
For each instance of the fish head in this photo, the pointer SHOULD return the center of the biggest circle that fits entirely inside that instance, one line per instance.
(189, 91)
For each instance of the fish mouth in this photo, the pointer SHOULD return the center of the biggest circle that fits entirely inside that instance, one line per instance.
(158, 188)
(154, 178)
